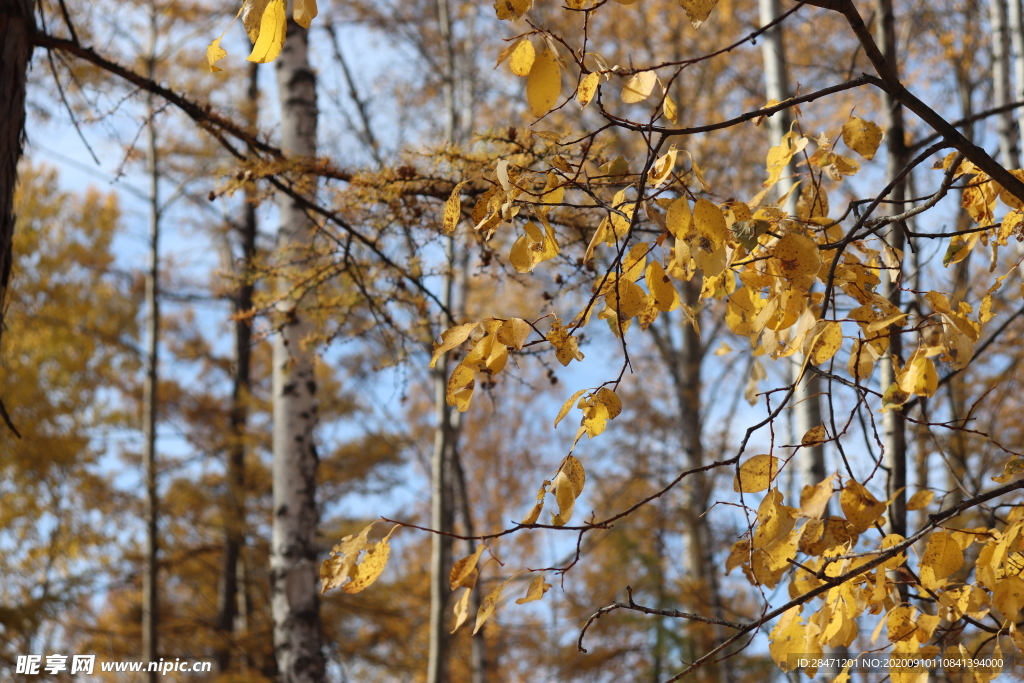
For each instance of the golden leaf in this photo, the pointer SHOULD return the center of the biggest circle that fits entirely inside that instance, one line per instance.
(666, 297)
(215, 53)
(756, 474)
(863, 137)
(942, 556)
(489, 603)
(452, 210)
(511, 9)
(826, 342)
(304, 13)
(814, 436)
(271, 34)
(920, 500)
(460, 388)
(462, 609)
(860, 507)
(536, 590)
(520, 62)
(669, 107)
(544, 84)
(587, 89)
(814, 499)
(567, 406)
(639, 87)
(463, 569)
(451, 338)
(344, 568)
(698, 10)
(514, 332)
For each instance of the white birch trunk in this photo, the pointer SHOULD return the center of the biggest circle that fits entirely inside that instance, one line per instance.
(806, 400)
(295, 599)
(1005, 126)
(1016, 24)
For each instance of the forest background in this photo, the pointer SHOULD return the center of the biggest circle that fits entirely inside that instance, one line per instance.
(174, 224)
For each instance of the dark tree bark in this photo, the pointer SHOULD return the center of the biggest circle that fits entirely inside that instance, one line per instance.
(16, 27)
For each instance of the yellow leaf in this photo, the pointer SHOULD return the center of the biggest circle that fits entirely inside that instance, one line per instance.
(774, 520)
(860, 507)
(544, 84)
(452, 209)
(814, 435)
(521, 60)
(344, 568)
(942, 556)
(565, 496)
(666, 297)
(756, 474)
(588, 88)
(1011, 471)
(567, 406)
(521, 257)
(463, 569)
(814, 499)
(698, 10)
(462, 609)
(271, 35)
(920, 500)
(679, 218)
(639, 87)
(305, 12)
(603, 406)
(536, 590)
(451, 338)
(669, 107)
(488, 605)
(826, 343)
(918, 376)
(1008, 596)
(511, 9)
(573, 470)
(863, 137)
(215, 53)
(514, 332)
(797, 256)
(566, 347)
(460, 388)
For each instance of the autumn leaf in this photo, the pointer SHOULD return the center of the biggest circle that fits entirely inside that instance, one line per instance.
(863, 137)
(508, 10)
(347, 570)
(756, 474)
(698, 10)
(305, 12)
(536, 590)
(638, 88)
(460, 388)
(587, 88)
(942, 556)
(520, 62)
(920, 500)
(450, 339)
(544, 84)
(215, 53)
(270, 38)
(860, 507)
(464, 568)
(452, 210)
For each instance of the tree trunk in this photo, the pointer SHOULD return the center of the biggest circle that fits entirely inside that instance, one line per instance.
(150, 396)
(234, 507)
(295, 601)
(1005, 125)
(17, 23)
(806, 401)
(893, 423)
(1016, 24)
